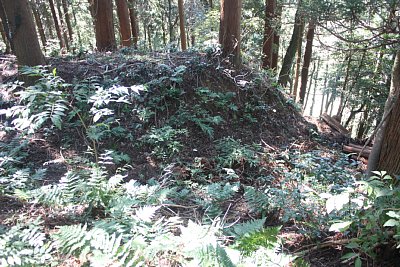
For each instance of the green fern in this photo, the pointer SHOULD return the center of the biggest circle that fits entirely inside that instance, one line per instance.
(25, 245)
(257, 200)
(245, 228)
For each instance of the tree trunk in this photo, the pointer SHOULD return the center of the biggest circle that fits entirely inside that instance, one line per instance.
(62, 24)
(269, 34)
(275, 51)
(229, 33)
(291, 50)
(39, 23)
(76, 23)
(353, 84)
(170, 22)
(314, 87)
(362, 125)
(309, 87)
(298, 62)
(124, 23)
(105, 37)
(6, 27)
(47, 18)
(385, 154)
(23, 33)
(346, 79)
(5, 39)
(307, 60)
(67, 19)
(134, 23)
(149, 36)
(56, 24)
(182, 25)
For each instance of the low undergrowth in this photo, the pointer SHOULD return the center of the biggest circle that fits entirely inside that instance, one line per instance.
(215, 196)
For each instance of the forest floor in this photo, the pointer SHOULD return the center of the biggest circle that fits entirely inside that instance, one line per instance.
(197, 123)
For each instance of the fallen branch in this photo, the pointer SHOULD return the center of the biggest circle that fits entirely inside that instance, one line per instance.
(356, 149)
(324, 245)
(334, 124)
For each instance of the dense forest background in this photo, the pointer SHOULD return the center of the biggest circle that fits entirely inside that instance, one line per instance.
(199, 133)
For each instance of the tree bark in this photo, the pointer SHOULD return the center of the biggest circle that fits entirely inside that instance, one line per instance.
(275, 51)
(56, 24)
(62, 24)
(307, 60)
(309, 88)
(170, 22)
(291, 50)
(134, 23)
(39, 23)
(47, 18)
(182, 25)
(4, 37)
(76, 23)
(105, 37)
(298, 61)
(385, 154)
(124, 23)
(229, 33)
(6, 27)
(23, 33)
(269, 34)
(67, 19)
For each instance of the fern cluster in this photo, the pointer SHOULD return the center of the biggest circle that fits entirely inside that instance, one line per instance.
(25, 245)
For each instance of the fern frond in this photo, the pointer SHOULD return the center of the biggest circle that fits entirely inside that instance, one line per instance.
(245, 228)
(257, 200)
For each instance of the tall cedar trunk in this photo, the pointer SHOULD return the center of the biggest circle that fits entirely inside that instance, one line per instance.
(269, 31)
(307, 97)
(324, 94)
(5, 39)
(47, 18)
(315, 86)
(56, 24)
(105, 37)
(6, 28)
(39, 23)
(182, 25)
(23, 33)
(67, 19)
(229, 31)
(76, 23)
(307, 60)
(124, 23)
(134, 23)
(275, 51)
(211, 4)
(163, 29)
(361, 125)
(284, 74)
(62, 24)
(298, 62)
(170, 22)
(339, 113)
(149, 36)
(354, 82)
(385, 154)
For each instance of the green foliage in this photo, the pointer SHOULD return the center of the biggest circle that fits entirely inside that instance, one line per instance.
(266, 238)
(42, 102)
(164, 141)
(371, 210)
(232, 152)
(25, 245)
